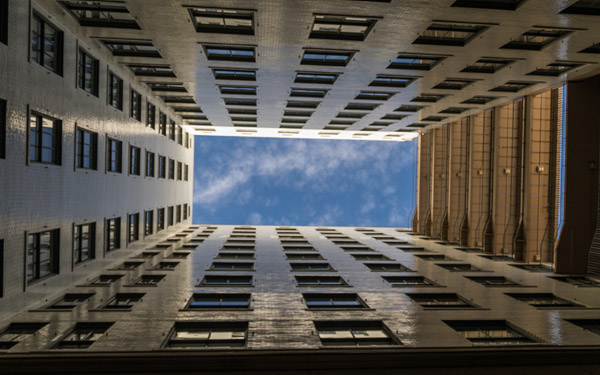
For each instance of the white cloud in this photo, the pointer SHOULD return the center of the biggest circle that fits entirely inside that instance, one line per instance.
(255, 219)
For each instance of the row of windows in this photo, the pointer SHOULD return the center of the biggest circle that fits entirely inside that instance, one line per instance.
(47, 45)
(355, 333)
(43, 248)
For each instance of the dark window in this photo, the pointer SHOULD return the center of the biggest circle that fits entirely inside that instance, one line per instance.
(42, 254)
(115, 91)
(70, 301)
(200, 301)
(453, 84)
(105, 280)
(171, 169)
(167, 86)
(130, 265)
(487, 65)
(148, 222)
(45, 139)
(149, 164)
(87, 71)
(178, 213)
(162, 166)
(592, 325)
(325, 57)
(123, 301)
(135, 105)
(17, 332)
(388, 267)
(226, 21)
(236, 101)
(555, 69)
(160, 219)
(392, 81)
(2, 129)
(489, 4)
(416, 61)
(543, 300)
(4, 21)
(433, 256)
(237, 256)
(449, 34)
(311, 267)
(361, 106)
(370, 257)
(230, 266)
(302, 256)
(185, 172)
(316, 93)
(131, 48)
(326, 78)
(455, 110)
(409, 108)
(148, 280)
(372, 95)
(428, 98)
(489, 332)
(192, 335)
(584, 7)
(238, 90)
(84, 242)
(533, 267)
(185, 211)
(133, 227)
(335, 301)
(493, 281)
(134, 160)
(185, 99)
(83, 335)
(113, 234)
(354, 333)
(440, 300)
(302, 104)
(513, 86)
(162, 123)
(166, 266)
(320, 281)
(579, 281)
(87, 149)
(479, 99)
(230, 53)
(235, 74)
(46, 44)
(459, 267)
(341, 27)
(169, 216)
(212, 280)
(152, 70)
(536, 39)
(100, 13)
(172, 130)
(409, 281)
(114, 156)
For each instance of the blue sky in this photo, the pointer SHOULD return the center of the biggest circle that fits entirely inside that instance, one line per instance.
(273, 181)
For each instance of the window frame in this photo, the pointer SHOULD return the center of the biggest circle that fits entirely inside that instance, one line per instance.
(80, 146)
(83, 58)
(118, 152)
(218, 299)
(35, 150)
(43, 23)
(148, 223)
(135, 105)
(115, 91)
(150, 163)
(358, 327)
(54, 251)
(133, 227)
(78, 242)
(116, 222)
(135, 154)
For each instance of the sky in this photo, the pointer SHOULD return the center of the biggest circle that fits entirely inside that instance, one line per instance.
(274, 181)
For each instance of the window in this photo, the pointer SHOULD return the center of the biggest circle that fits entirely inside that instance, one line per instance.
(459, 267)
(302, 256)
(308, 77)
(493, 281)
(361, 106)
(17, 332)
(326, 57)
(449, 34)
(185, 211)
(123, 301)
(592, 325)
(100, 13)
(532, 267)
(335, 301)
(148, 222)
(162, 123)
(238, 90)
(134, 160)
(169, 216)
(211, 280)
(440, 300)
(186, 172)
(162, 167)
(311, 93)
(184, 99)
(149, 164)
(46, 44)
(514, 86)
(409, 108)
(87, 149)
(428, 98)
(354, 333)
(179, 135)
(4, 21)
(131, 48)
(320, 281)
(490, 332)
(42, 254)
(555, 69)
(416, 62)
(579, 281)
(237, 256)
(130, 265)
(105, 280)
(236, 101)
(230, 53)
(115, 91)
(178, 255)
(409, 281)
(166, 266)
(171, 169)
(83, 335)
(179, 171)
(152, 70)
(489, 4)
(70, 301)
(225, 21)
(133, 233)
(84, 242)
(136, 105)
(113, 234)
(433, 257)
(114, 155)
(192, 335)
(148, 280)
(227, 266)
(453, 84)
(341, 27)
(45, 139)
(160, 219)
(455, 110)
(172, 130)
(543, 300)
(201, 301)
(311, 267)
(387, 267)
(87, 73)
(371, 95)
(166, 86)
(178, 214)
(536, 39)
(2, 129)
(487, 65)
(479, 99)
(235, 74)
(392, 81)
